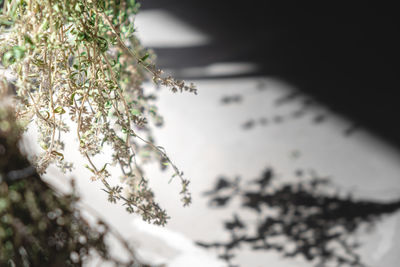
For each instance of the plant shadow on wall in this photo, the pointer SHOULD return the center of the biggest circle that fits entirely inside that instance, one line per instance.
(288, 106)
(306, 218)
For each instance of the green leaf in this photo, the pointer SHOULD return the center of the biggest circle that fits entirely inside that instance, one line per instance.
(131, 29)
(102, 43)
(19, 52)
(8, 58)
(73, 75)
(4, 21)
(55, 153)
(12, 11)
(59, 110)
(11, 56)
(145, 57)
(78, 7)
(38, 62)
(72, 98)
(90, 169)
(29, 41)
(81, 36)
(43, 145)
(104, 167)
(45, 25)
(103, 141)
(135, 112)
(108, 105)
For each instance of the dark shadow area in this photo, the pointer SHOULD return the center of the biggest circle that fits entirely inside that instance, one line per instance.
(344, 55)
(308, 218)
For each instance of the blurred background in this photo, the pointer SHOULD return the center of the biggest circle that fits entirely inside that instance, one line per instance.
(294, 135)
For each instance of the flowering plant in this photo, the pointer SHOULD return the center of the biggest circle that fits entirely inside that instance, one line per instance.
(80, 60)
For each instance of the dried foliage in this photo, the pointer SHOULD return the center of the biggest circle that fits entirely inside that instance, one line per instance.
(79, 60)
(39, 227)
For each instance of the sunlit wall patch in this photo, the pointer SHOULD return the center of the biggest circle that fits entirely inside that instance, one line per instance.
(165, 30)
(218, 69)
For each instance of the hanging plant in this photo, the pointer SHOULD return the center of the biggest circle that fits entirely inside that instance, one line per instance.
(80, 61)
